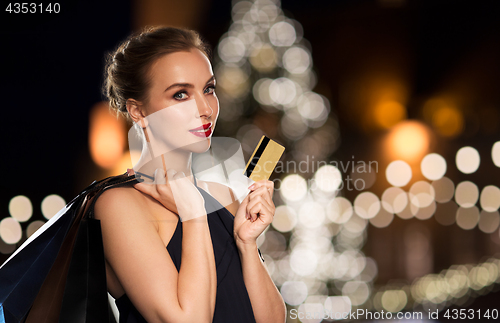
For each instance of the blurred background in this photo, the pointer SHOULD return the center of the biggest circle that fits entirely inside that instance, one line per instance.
(387, 195)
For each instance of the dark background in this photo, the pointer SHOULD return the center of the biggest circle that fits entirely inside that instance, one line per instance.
(52, 73)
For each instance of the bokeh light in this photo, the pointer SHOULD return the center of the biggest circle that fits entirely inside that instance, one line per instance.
(444, 189)
(357, 291)
(10, 230)
(282, 34)
(33, 226)
(407, 212)
(467, 218)
(294, 292)
(285, 218)
(312, 106)
(293, 125)
(339, 210)
(293, 188)
(408, 140)
(51, 204)
(366, 205)
(467, 160)
(328, 178)
(20, 208)
(466, 194)
(311, 214)
(382, 219)
(495, 153)
(263, 58)
(421, 194)
(398, 173)
(433, 166)
(282, 91)
(296, 60)
(231, 49)
(107, 136)
(303, 261)
(233, 80)
(424, 213)
(394, 200)
(389, 113)
(394, 300)
(448, 121)
(260, 91)
(489, 221)
(312, 308)
(490, 198)
(338, 305)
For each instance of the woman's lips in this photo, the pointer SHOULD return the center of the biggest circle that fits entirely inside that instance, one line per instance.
(202, 127)
(203, 131)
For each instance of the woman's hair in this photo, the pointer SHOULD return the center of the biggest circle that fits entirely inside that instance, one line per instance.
(127, 68)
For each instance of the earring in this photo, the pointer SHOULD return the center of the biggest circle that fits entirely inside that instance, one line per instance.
(144, 123)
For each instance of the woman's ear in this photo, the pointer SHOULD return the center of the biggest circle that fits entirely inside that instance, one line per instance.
(136, 112)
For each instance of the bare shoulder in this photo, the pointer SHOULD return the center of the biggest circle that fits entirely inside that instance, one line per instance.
(224, 194)
(116, 200)
(120, 205)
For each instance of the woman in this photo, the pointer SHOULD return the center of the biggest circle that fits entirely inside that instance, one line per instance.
(146, 231)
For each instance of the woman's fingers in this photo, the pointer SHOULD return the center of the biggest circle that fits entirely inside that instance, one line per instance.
(262, 191)
(261, 194)
(159, 177)
(263, 183)
(260, 204)
(145, 188)
(259, 207)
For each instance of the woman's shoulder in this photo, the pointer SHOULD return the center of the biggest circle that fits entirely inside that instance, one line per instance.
(127, 203)
(117, 198)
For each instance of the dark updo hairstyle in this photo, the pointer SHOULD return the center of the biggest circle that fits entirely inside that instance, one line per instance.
(127, 68)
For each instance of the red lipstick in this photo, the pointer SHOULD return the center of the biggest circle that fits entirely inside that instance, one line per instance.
(202, 131)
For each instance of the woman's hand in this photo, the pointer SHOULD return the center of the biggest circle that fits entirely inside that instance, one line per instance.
(255, 213)
(177, 194)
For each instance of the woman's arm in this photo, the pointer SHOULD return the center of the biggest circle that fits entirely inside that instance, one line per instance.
(138, 256)
(267, 303)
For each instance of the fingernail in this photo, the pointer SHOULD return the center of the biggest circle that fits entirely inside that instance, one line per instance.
(251, 187)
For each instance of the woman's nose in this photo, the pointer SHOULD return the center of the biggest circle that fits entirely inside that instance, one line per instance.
(204, 108)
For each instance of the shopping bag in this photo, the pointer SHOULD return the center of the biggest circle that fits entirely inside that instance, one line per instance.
(64, 260)
(47, 305)
(86, 296)
(23, 274)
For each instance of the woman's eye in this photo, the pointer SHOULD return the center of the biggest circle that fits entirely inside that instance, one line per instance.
(180, 95)
(210, 89)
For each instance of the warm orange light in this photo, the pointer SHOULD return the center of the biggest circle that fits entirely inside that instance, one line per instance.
(107, 138)
(389, 113)
(448, 121)
(125, 162)
(445, 117)
(409, 140)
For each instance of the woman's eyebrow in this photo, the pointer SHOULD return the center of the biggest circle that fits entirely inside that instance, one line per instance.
(189, 85)
(179, 85)
(211, 79)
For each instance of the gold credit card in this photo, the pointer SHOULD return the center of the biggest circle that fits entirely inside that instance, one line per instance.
(264, 159)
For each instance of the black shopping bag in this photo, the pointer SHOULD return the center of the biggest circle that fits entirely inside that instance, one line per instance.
(86, 296)
(59, 275)
(23, 274)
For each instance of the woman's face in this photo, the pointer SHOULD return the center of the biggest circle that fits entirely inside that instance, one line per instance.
(181, 99)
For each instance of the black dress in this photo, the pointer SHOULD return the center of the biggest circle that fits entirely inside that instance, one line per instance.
(232, 301)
